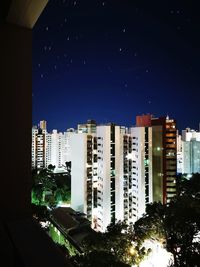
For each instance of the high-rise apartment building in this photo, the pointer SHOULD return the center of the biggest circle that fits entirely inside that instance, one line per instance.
(114, 174)
(190, 151)
(179, 153)
(43, 125)
(38, 148)
(84, 172)
(110, 176)
(164, 159)
(141, 190)
(50, 148)
(89, 127)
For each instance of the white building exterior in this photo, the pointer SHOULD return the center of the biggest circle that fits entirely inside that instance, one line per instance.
(111, 174)
(179, 153)
(38, 148)
(191, 151)
(50, 148)
(83, 172)
(141, 189)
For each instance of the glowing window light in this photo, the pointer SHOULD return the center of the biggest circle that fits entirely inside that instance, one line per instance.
(158, 257)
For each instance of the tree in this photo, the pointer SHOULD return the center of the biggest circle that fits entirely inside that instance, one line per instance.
(176, 224)
(118, 241)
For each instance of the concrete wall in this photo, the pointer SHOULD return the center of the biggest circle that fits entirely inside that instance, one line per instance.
(16, 109)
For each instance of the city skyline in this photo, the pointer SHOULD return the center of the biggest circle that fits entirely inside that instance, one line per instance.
(110, 61)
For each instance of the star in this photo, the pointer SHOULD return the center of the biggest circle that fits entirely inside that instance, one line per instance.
(147, 71)
(103, 4)
(126, 85)
(45, 47)
(68, 38)
(65, 20)
(41, 75)
(39, 65)
(55, 67)
(74, 3)
(124, 30)
(84, 62)
(49, 48)
(47, 28)
(120, 49)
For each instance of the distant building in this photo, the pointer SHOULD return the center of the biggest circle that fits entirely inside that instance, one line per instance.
(43, 125)
(38, 148)
(164, 166)
(164, 159)
(190, 151)
(179, 152)
(89, 127)
(50, 148)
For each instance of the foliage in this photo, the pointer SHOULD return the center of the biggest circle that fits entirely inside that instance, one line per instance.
(176, 224)
(118, 242)
(49, 189)
(39, 212)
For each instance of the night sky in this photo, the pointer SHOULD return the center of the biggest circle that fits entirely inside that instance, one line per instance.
(111, 60)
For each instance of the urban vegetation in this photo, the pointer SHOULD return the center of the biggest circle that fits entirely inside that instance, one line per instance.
(50, 189)
(176, 226)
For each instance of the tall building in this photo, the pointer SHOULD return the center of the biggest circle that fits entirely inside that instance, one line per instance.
(179, 152)
(89, 127)
(164, 159)
(164, 162)
(43, 125)
(83, 172)
(50, 148)
(110, 176)
(113, 169)
(141, 190)
(190, 151)
(38, 148)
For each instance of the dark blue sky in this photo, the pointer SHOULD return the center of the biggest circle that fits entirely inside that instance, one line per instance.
(109, 61)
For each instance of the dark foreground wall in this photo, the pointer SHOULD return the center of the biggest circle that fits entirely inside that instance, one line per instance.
(16, 110)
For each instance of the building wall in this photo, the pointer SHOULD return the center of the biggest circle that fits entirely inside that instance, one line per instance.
(16, 110)
(142, 169)
(78, 172)
(164, 138)
(157, 160)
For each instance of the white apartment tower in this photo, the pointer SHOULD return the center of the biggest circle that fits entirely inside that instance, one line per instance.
(38, 148)
(110, 176)
(140, 191)
(84, 172)
(191, 151)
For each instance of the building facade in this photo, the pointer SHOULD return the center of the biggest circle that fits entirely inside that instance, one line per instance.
(190, 151)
